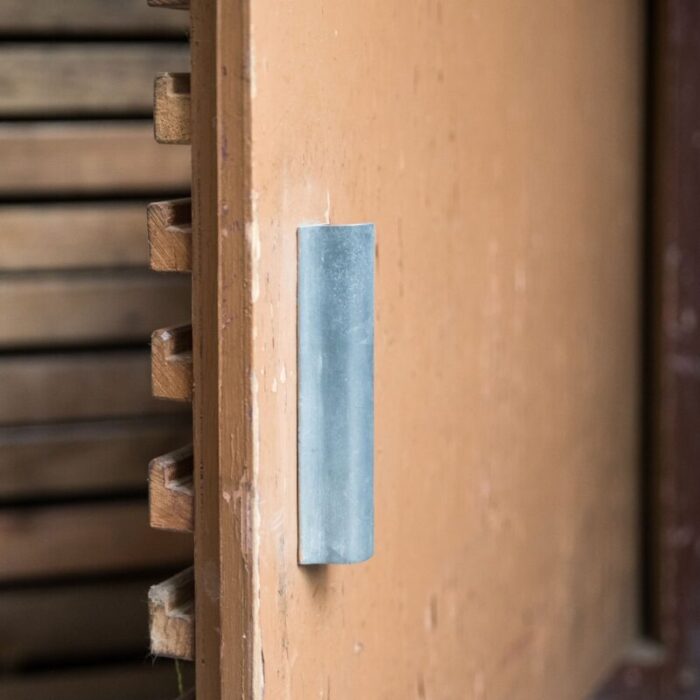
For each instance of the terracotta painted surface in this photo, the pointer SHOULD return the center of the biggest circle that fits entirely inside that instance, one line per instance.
(496, 146)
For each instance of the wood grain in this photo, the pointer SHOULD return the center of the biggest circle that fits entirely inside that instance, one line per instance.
(65, 79)
(171, 491)
(497, 148)
(136, 681)
(105, 158)
(50, 309)
(127, 18)
(171, 610)
(39, 461)
(41, 624)
(67, 540)
(77, 386)
(72, 236)
(172, 108)
(170, 235)
(171, 363)
(224, 411)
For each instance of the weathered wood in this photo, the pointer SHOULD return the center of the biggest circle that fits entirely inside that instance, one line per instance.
(77, 386)
(171, 608)
(224, 409)
(72, 236)
(171, 4)
(62, 540)
(84, 458)
(126, 18)
(72, 621)
(172, 108)
(170, 235)
(171, 372)
(171, 491)
(56, 308)
(59, 79)
(88, 158)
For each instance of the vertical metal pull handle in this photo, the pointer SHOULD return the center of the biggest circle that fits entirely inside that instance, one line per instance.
(336, 393)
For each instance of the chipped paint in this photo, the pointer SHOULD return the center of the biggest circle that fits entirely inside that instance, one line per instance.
(258, 657)
(253, 235)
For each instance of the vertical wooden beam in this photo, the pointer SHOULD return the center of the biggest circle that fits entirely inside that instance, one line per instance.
(672, 514)
(221, 308)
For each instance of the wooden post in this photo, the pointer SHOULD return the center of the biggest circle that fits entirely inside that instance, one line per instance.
(223, 407)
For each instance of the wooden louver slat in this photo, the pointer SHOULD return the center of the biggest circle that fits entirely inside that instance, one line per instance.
(67, 79)
(88, 457)
(80, 539)
(73, 307)
(47, 388)
(62, 158)
(69, 236)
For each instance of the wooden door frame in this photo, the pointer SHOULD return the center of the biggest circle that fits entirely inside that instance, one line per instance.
(668, 666)
(223, 399)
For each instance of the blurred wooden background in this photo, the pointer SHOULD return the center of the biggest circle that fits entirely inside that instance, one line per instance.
(78, 424)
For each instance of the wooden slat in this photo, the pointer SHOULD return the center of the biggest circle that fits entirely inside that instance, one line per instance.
(72, 236)
(170, 235)
(50, 541)
(171, 491)
(171, 372)
(136, 681)
(172, 108)
(58, 79)
(81, 458)
(171, 4)
(77, 386)
(75, 307)
(91, 17)
(171, 607)
(72, 621)
(88, 158)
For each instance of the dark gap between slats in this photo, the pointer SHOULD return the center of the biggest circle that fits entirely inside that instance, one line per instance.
(155, 574)
(77, 197)
(173, 38)
(76, 499)
(135, 347)
(84, 115)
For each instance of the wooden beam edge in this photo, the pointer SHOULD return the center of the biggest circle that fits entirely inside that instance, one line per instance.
(172, 118)
(171, 611)
(171, 363)
(169, 225)
(171, 491)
